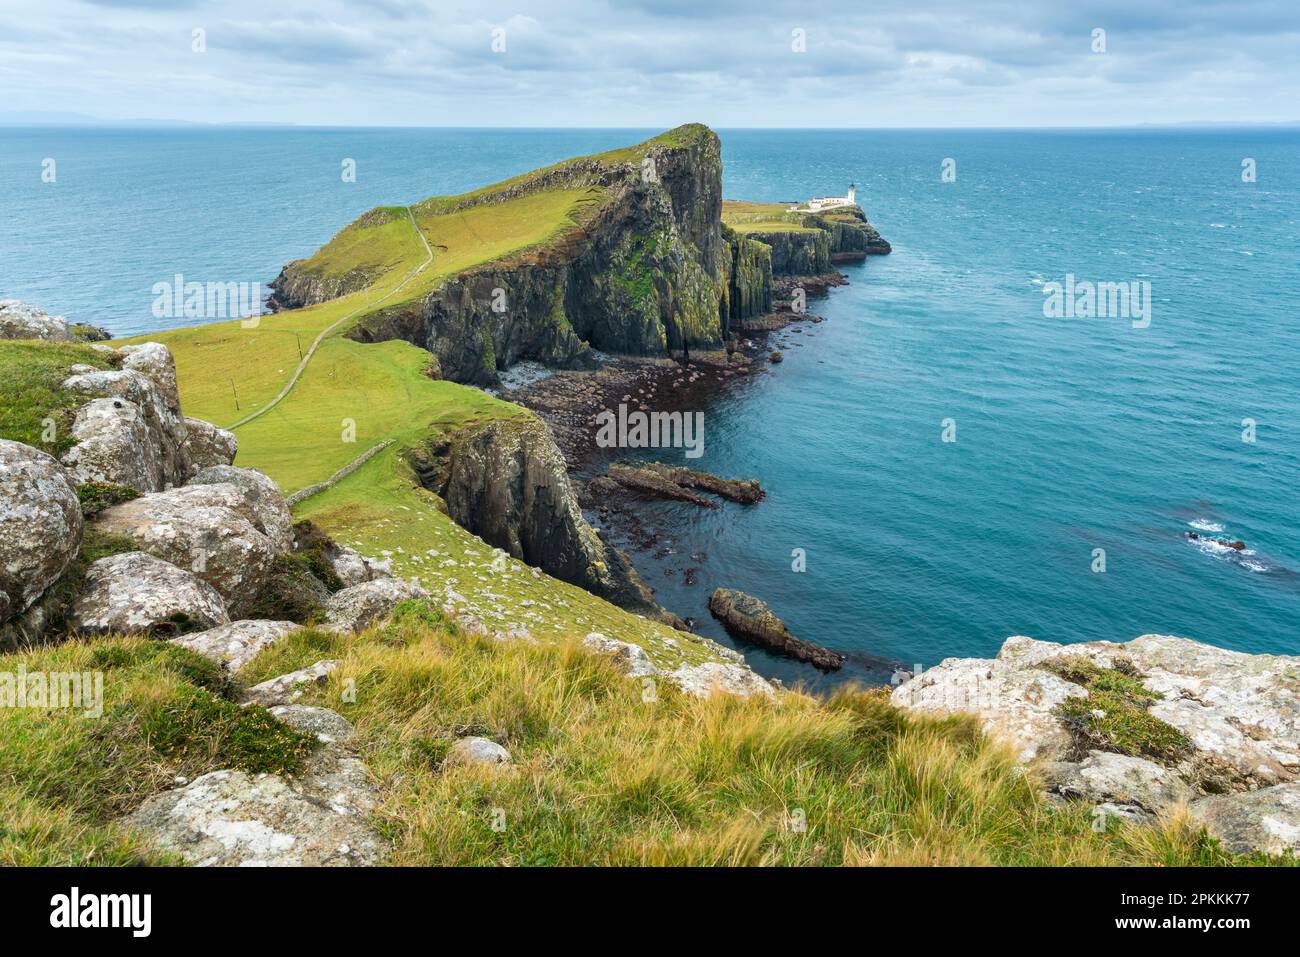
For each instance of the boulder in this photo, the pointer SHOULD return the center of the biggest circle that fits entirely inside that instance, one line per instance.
(749, 619)
(631, 659)
(328, 726)
(1266, 820)
(267, 507)
(353, 568)
(213, 530)
(138, 593)
(230, 818)
(208, 445)
(40, 525)
(21, 321)
(154, 360)
(286, 689)
(134, 437)
(733, 679)
(476, 751)
(1117, 778)
(236, 644)
(356, 608)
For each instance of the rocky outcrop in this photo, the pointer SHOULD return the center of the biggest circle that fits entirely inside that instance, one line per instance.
(329, 727)
(40, 525)
(135, 593)
(230, 818)
(236, 644)
(1267, 820)
(131, 431)
(286, 689)
(215, 531)
(18, 320)
(713, 676)
(507, 483)
(359, 606)
(646, 275)
(1216, 722)
(797, 252)
(630, 659)
(207, 446)
(266, 503)
(749, 618)
(749, 278)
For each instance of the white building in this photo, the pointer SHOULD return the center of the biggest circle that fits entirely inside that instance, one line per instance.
(819, 203)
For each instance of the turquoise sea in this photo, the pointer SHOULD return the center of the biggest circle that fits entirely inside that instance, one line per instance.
(1072, 434)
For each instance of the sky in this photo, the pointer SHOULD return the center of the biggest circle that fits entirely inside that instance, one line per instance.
(654, 63)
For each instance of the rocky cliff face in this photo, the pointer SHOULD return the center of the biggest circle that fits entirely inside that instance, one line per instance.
(646, 276)
(824, 239)
(749, 278)
(507, 483)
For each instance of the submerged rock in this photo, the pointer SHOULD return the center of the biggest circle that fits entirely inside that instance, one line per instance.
(40, 525)
(673, 481)
(749, 618)
(230, 818)
(135, 593)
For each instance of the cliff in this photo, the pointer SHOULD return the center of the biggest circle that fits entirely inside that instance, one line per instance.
(804, 243)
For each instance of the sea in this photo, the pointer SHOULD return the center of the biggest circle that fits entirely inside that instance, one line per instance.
(949, 457)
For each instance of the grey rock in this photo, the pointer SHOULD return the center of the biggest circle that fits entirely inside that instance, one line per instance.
(153, 359)
(703, 680)
(286, 689)
(1266, 820)
(477, 751)
(353, 568)
(631, 659)
(208, 445)
(236, 644)
(136, 437)
(210, 529)
(329, 726)
(138, 593)
(233, 819)
(40, 525)
(267, 507)
(356, 608)
(1118, 779)
(18, 320)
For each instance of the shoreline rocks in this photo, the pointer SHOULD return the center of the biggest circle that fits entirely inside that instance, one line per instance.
(749, 618)
(676, 482)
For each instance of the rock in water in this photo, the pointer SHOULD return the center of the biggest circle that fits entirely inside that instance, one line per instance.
(137, 593)
(746, 617)
(40, 525)
(208, 445)
(233, 819)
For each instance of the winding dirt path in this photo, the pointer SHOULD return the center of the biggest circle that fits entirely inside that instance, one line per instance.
(297, 373)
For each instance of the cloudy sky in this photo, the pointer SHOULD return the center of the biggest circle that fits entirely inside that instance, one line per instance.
(654, 63)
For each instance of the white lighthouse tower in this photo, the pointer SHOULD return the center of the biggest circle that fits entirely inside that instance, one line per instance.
(853, 191)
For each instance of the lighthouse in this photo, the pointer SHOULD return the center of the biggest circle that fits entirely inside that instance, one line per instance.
(853, 191)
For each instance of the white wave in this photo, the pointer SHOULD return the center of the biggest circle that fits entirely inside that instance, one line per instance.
(1255, 566)
(1205, 525)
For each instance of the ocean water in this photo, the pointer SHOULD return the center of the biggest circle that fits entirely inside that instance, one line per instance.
(1072, 435)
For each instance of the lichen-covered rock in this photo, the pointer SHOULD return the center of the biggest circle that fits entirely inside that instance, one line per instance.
(733, 679)
(18, 320)
(1266, 820)
(353, 568)
(286, 689)
(230, 818)
(269, 511)
(40, 525)
(476, 751)
(135, 593)
(212, 530)
(207, 445)
(129, 433)
(1012, 703)
(236, 644)
(1120, 779)
(631, 659)
(153, 359)
(328, 726)
(356, 608)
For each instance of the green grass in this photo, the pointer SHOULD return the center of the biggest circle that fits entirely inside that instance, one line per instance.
(747, 217)
(35, 410)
